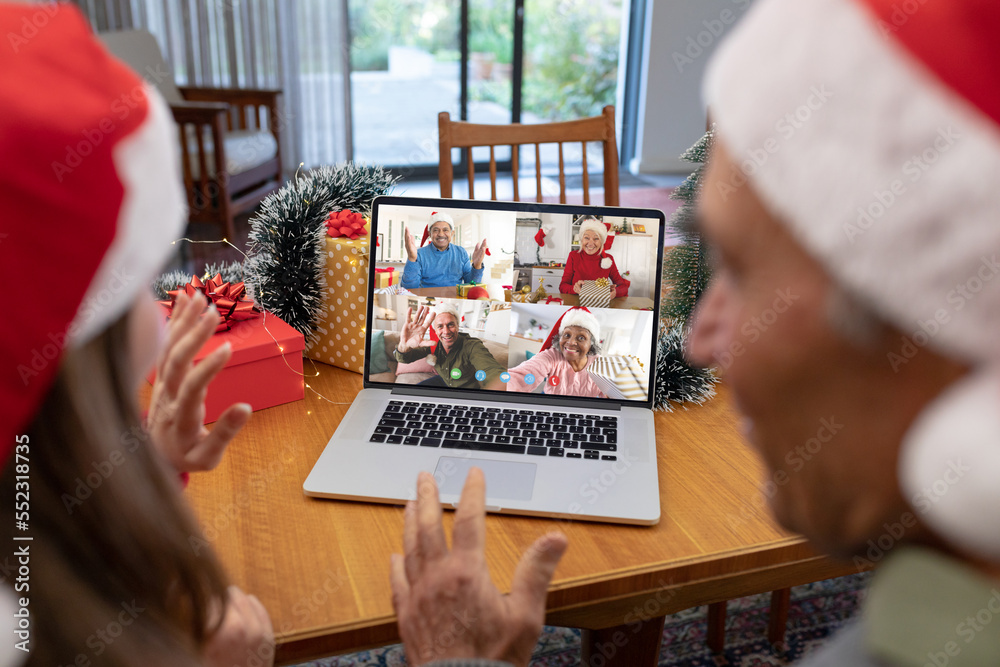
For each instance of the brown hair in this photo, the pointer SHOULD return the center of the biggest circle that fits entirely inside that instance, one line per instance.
(112, 576)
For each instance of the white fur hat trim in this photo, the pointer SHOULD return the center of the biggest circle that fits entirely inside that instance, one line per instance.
(950, 464)
(449, 307)
(441, 216)
(595, 226)
(581, 318)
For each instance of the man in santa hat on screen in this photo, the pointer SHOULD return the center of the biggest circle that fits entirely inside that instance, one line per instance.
(854, 182)
(442, 263)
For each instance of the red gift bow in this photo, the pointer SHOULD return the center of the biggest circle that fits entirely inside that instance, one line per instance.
(388, 270)
(349, 224)
(229, 299)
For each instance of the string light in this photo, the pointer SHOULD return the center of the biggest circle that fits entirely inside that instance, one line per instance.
(264, 318)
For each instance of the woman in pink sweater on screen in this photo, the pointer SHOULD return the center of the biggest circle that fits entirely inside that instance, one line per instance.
(592, 261)
(561, 365)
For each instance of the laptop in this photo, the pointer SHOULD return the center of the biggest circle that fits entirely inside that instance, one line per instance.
(501, 367)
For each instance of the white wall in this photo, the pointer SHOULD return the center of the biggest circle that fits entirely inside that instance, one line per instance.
(680, 37)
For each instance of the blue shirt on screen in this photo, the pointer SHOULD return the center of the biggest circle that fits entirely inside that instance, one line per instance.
(440, 268)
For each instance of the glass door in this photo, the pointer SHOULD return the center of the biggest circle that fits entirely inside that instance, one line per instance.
(405, 68)
(486, 61)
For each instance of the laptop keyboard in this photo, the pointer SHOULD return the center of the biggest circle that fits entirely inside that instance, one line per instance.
(508, 431)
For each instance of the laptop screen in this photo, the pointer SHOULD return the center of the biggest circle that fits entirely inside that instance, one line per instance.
(547, 301)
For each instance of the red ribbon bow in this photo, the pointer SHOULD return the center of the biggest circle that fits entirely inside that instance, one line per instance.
(345, 223)
(229, 298)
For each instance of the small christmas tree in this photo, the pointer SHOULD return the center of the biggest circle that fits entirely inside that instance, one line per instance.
(685, 276)
(685, 266)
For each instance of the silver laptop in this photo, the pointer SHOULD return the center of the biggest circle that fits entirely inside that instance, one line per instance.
(499, 366)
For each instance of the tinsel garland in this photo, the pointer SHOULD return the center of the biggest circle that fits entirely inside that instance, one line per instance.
(675, 380)
(232, 272)
(285, 266)
(685, 276)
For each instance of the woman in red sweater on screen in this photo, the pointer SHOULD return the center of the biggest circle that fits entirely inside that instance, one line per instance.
(592, 261)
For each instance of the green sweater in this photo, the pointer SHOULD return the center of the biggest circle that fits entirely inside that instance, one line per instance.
(458, 366)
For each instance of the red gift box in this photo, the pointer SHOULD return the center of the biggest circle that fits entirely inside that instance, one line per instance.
(264, 370)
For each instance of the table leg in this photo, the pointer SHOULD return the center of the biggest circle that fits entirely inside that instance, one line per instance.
(781, 600)
(716, 634)
(624, 645)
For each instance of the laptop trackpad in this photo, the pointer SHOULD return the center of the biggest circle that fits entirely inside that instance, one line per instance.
(504, 479)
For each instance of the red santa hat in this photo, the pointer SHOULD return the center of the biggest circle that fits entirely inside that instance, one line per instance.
(90, 196)
(578, 316)
(602, 229)
(436, 216)
(882, 159)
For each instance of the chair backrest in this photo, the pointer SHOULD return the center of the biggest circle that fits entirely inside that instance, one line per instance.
(460, 134)
(139, 50)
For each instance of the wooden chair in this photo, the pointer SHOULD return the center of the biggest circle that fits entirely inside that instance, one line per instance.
(460, 134)
(229, 138)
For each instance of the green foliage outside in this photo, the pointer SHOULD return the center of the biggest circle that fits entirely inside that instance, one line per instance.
(570, 46)
(571, 57)
(376, 24)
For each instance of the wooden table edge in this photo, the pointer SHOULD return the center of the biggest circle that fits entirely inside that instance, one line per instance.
(608, 612)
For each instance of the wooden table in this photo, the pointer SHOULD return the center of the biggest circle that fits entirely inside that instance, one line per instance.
(321, 567)
(500, 294)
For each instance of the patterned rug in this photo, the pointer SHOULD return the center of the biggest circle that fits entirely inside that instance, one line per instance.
(817, 610)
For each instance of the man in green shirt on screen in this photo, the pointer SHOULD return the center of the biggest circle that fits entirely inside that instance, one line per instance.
(461, 361)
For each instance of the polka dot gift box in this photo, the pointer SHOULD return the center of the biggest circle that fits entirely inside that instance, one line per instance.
(340, 335)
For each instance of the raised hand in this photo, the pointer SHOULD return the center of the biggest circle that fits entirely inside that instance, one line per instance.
(177, 408)
(446, 604)
(411, 246)
(478, 253)
(412, 333)
(245, 637)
